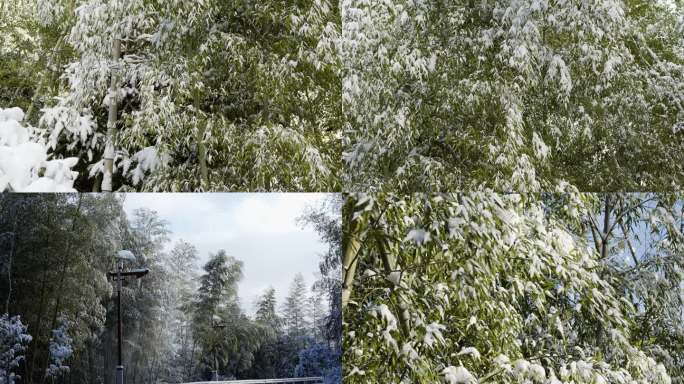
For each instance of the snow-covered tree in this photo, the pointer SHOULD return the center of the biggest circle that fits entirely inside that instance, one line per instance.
(60, 350)
(295, 316)
(266, 311)
(316, 313)
(513, 95)
(14, 340)
(482, 287)
(24, 160)
(639, 239)
(211, 95)
(227, 338)
(182, 269)
(327, 221)
(319, 360)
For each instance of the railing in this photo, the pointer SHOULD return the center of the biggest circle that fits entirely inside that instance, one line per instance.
(302, 380)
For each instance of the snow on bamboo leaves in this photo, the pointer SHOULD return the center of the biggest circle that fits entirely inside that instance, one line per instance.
(212, 95)
(504, 289)
(24, 164)
(515, 95)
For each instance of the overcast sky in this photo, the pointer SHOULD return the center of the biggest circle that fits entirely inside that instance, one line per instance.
(259, 229)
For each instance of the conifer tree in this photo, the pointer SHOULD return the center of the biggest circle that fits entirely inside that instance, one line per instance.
(294, 308)
(266, 310)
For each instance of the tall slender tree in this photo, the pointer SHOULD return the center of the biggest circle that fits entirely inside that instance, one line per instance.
(266, 312)
(294, 308)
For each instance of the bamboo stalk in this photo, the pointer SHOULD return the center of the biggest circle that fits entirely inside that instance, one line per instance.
(111, 121)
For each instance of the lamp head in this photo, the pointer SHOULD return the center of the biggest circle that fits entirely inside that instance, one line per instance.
(125, 254)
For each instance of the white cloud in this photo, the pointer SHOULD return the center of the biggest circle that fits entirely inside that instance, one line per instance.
(271, 214)
(168, 205)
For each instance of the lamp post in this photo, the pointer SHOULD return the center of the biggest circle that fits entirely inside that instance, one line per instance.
(119, 276)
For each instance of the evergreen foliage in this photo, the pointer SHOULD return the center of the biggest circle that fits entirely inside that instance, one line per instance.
(483, 287)
(512, 95)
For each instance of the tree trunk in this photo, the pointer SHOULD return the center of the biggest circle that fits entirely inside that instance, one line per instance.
(191, 366)
(606, 227)
(62, 278)
(111, 120)
(92, 371)
(201, 147)
(390, 266)
(9, 263)
(31, 362)
(351, 246)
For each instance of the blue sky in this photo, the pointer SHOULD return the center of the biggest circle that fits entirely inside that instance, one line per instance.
(259, 229)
